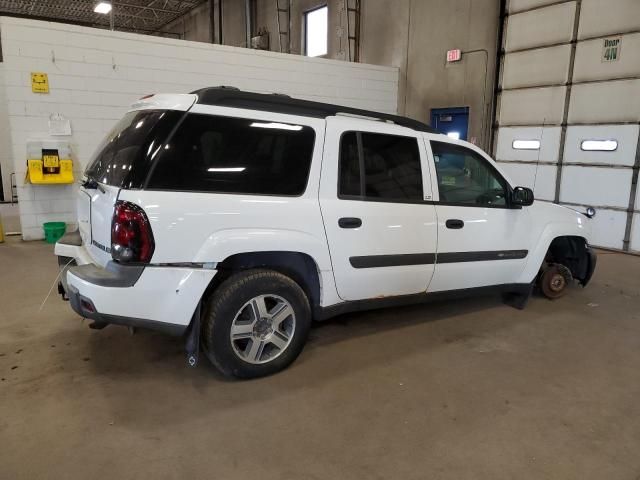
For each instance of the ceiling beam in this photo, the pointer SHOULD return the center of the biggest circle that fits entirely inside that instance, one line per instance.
(146, 7)
(82, 23)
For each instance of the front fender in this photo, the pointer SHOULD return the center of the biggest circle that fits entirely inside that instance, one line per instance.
(536, 256)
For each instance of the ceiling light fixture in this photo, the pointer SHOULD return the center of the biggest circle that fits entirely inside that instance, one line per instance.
(103, 7)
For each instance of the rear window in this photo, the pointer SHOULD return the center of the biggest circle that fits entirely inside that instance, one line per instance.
(391, 165)
(123, 157)
(235, 155)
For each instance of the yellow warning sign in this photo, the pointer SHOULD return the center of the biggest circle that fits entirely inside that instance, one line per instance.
(39, 82)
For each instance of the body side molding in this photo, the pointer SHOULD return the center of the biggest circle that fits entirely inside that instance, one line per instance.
(375, 261)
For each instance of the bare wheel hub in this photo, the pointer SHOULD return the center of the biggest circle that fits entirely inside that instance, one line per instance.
(557, 282)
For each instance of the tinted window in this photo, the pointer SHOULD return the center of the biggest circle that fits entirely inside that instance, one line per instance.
(126, 146)
(391, 167)
(466, 177)
(349, 165)
(235, 155)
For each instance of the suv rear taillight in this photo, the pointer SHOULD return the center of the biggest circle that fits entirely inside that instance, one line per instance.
(131, 235)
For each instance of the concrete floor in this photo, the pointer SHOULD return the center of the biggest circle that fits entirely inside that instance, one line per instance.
(471, 389)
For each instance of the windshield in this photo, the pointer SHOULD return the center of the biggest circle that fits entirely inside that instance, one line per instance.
(125, 148)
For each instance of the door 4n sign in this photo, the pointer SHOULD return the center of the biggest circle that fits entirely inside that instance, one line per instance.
(611, 49)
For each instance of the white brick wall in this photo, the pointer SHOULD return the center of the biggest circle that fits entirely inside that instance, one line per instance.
(6, 165)
(95, 74)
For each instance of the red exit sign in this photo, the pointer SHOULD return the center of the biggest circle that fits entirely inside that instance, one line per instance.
(454, 55)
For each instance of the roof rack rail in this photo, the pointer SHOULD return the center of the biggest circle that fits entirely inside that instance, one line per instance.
(233, 97)
(362, 117)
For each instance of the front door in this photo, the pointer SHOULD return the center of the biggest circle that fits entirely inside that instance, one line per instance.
(382, 236)
(482, 240)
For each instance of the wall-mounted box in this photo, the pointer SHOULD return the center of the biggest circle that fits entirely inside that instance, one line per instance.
(49, 163)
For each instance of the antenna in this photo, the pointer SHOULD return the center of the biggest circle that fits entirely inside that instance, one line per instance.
(535, 177)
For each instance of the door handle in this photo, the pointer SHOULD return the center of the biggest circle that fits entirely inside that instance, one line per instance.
(454, 224)
(349, 222)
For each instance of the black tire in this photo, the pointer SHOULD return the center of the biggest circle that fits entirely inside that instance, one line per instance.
(228, 300)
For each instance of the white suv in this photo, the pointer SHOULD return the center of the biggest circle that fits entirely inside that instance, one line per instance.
(237, 218)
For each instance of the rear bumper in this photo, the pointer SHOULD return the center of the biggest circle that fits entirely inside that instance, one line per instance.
(84, 307)
(70, 246)
(153, 297)
(162, 298)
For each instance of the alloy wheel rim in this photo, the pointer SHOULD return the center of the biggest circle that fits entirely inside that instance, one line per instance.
(262, 329)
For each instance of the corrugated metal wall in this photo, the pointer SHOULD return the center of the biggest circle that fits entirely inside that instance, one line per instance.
(571, 73)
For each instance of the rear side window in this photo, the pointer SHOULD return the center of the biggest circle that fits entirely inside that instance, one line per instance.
(380, 167)
(122, 159)
(235, 155)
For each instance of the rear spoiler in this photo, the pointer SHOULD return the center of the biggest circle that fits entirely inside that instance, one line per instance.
(165, 101)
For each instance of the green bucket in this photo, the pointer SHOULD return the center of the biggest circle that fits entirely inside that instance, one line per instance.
(53, 231)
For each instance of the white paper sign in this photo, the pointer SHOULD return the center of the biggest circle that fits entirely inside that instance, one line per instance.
(58, 125)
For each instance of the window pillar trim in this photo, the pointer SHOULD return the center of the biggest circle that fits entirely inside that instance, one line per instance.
(363, 180)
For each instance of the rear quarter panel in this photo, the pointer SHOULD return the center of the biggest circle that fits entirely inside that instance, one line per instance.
(209, 227)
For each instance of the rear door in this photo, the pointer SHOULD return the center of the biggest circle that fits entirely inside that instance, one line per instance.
(382, 235)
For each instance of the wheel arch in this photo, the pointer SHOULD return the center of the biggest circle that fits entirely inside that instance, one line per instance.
(300, 267)
(554, 232)
(573, 252)
(567, 248)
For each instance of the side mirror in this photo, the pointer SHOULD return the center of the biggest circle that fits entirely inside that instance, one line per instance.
(522, 196)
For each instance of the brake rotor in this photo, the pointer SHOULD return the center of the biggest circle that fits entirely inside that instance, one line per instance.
(554, 280)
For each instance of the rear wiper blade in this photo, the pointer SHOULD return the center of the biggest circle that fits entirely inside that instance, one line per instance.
(92, 184)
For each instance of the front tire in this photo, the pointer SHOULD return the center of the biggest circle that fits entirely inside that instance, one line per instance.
(255, 324)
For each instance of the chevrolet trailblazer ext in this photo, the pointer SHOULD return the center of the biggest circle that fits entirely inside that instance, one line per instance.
(237, 218)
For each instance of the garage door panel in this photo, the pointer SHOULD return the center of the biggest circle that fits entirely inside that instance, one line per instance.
(549, 138)
(626, 137)
(516, 6)
(601, 17)
(541, 179)
(608, 228)
(539, 67)
(532, 106)
(596, 186)
(600, 142)
(635, 233)
(537, 28)
(605, 102)
(589, 64)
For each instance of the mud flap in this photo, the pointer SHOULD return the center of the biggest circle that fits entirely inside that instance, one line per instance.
(192, 340)
(519, 298)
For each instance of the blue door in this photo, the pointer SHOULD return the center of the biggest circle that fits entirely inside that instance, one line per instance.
(453, 122)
